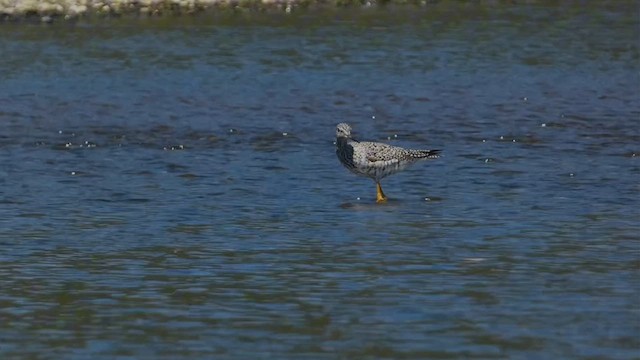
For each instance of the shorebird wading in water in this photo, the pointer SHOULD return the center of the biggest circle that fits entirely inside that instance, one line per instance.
(373, 159)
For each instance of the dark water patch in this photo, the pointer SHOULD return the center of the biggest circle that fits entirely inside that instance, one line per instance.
(189, 176)
(275, 141)
(32, 215)
(189, 229)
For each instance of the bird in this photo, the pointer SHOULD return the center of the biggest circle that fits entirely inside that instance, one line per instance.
(375, 160)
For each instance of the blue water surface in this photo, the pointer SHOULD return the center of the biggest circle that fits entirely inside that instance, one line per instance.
(169, 187)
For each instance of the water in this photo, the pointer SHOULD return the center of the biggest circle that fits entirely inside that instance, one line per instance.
(169, 187)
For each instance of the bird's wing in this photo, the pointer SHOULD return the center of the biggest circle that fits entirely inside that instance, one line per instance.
(382, 152)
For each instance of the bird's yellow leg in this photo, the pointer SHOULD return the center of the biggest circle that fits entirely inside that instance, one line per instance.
(380, 196)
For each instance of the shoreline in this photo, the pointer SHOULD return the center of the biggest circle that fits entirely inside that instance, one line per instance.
(48, 10)
(71, 9)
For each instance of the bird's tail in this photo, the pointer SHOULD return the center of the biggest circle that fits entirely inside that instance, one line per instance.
(424, 154)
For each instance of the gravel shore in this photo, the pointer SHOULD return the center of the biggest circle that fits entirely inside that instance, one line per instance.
(77, 8)
(47, 10)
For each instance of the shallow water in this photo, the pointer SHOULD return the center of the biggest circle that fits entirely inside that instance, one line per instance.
(169, 187)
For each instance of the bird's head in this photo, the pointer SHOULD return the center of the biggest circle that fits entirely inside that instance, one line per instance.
(343, 130)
